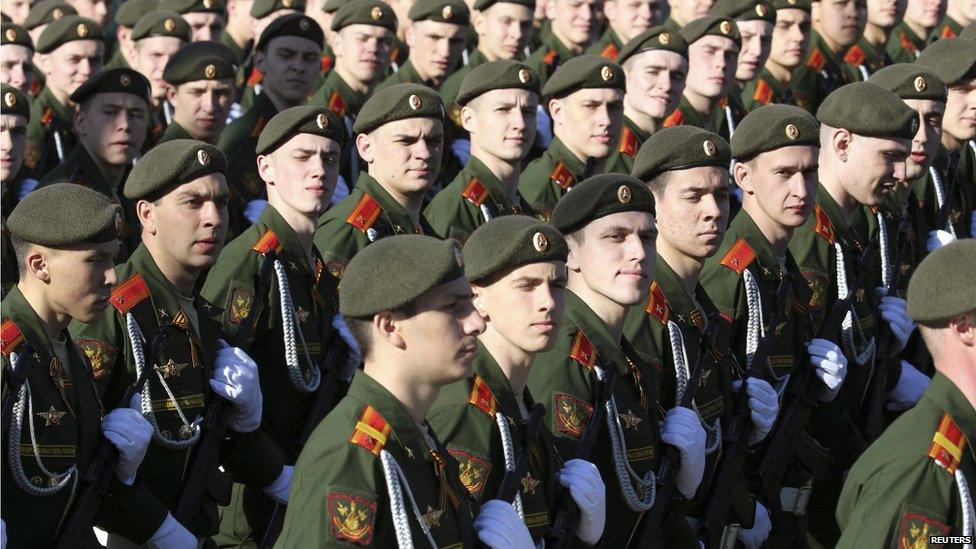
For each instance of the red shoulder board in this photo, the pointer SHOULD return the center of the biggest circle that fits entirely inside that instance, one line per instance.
(128, 294)
(365, 213)
(35, 88)
(948, 444)
(657, 304)
(371, 431)
(610, 52)
(326, 63)
(255, 78)
(947, 32)
(823, 227)
(10, 337)
(676, 118)
(906, 42)
(481, 397)
(816, 60)
(47, 116)
(550, 57)
(259, 127)
(764, 93)
(268, 241)
(739, 256)
(855, 56)
(336, 104)
(583, 351)
(475, 192)
(628, 143)
(562, 176)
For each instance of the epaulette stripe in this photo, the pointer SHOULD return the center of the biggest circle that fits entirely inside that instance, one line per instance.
(365, 213)
(824, 227)
(628, 142)
(855, 55)
(582, 350)
(610, 52)
(657, 304)
(268, 241)
(562, 176)
(764, 93)
(739, 256)
(676, 118)
(475, 192)
(481, 396)
(10, 337)
(948, 444)
(371, 431)
(128, 294)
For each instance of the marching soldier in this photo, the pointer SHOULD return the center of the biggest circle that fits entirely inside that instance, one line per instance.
(958, 15)
(13, 145)
(837, 26)
(200, 87)
(683, 12)
(40, 16)
(625, 21)
(755, 22)
(205, 17)
(868, 55)
(435, 38)
(238, 33)
(96, 10)
(17, 50)
(126, 17)
(263, 13)
(910, 35)
(573, 25)
(788, 45)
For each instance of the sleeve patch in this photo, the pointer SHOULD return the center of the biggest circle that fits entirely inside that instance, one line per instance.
(100, 355)
(572, 414)
(915, 527)
(481, 397)
(365, 213)
(562, 176)
(268, 241)
(351, 517)
(472, 469)
(337, 104)
(855, 55)
(764, 93)
(824, 227)
(818, 289)
(239, 304)
(628, 143)
(657, 304)
(372, 431)
(582, 350)
(676, 118)
(128, 294)
(739, 256)
(10, 337)
(610, 52)
(948, 443)
(475, 192)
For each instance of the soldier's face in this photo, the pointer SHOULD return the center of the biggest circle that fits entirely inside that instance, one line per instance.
(959, 121)
(686, 11)
(96, 10)
(151, 57)
(524, 308)
(13, 142)
(113, 126)
(791, 36)
(258, 25)
(655, 82)
(79, 277)
(874, 166)
(615, 259)
(363, 52)
(574, 22)
(503, 30)
(885, 13)
(963, 11)
(628, 18)
(201, 107)
(17, 10)
(780, 186)
(71, 65)
(404, 155)
(692, 212)
(301, 174)
(926, 141)
(839, 21)
(188, 224)
(756, 41)
(204, 26)
(435, 48)
(925, 13)
(711, 66)
(17, 66)
(588, 121)
(502, 123)
(290, 65)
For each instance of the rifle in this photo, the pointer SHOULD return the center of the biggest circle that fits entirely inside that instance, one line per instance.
(513, 479)
(566, 513)
(671, 458)
(736, 437)
(98, 476)
(14, 377)
(216, 413)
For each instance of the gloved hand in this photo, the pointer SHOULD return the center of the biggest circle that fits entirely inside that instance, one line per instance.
(830, 364)
(499, 527)
(235, 378)
(763, 406)
(753, 538)
(278, 490)
(3, 534)
(938, 239)
(253, 209)
(894, 311)
(341, 191)
(911, 384)
(972, 225)
(128, 431)
(355, 355)
(683, 430)
(172, 535)
(461, 149)
(588, 491)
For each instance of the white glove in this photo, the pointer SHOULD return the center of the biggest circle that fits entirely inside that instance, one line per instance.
(128, 431)
(585, 485)
(235, 378)
(499, 527)
(754, 537)
(355, 355)
(938, 239)
(278, 490)
(830, 366)
(763, 406)
(894, 311)
(683, 430)
(172, 535)
(911, 384)
(253, 209)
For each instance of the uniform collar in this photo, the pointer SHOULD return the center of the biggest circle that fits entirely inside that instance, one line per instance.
(743, 225)
(290, 246)
(17, 309)
(608, 349)
(817, 42)
(681, 305)
(86, 172)
(354, 101)
(142, 262)
(558, 150)
(61, 111)
(487, 367)
(841, 224)
(552, 42)
(175, 131)
(394, 212)
(494, 185)
(638, 133)
(264, 105)
(406, 432)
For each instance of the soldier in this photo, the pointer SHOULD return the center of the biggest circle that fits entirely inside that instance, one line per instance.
(837, 26)
(16, 12)
(868, 55)
(499, 101)
(788, 45)
(126, 17)
(573, 26)
(17, 50)
(13, 145)
(180, 196)
(96, 10)
(682, 12)
(205, 17)
(435, 37)
(656, 65)
(65, 241)
(263, 13)
(625, 21)
(40, 16)
(958, 15)
(755, 23)
(156, 37)
(585, 99)
(913, 483)
(400, 136)
(200, 87)
(238, 33)
(909, 37)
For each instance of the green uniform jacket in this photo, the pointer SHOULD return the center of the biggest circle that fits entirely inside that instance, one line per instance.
(608, 46)
(339, 495)
(547, 178)
(867, 58)
(948, 28)
(621, 160)
(765, 89)
(465, 417)
(174, 131)
(227, 40)
(66, 421)
(50, 134)
(117, 61)
(238, 142)
(903, 44)
(548, 56)
(823, 72)
(451, 86)
(903, 489)
(717, 121)
(338, 97)
(407, 74)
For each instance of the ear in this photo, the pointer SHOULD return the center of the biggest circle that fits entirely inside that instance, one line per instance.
(78, 120)
(121, 33)
(335, 38)
(410, 36)
(556, 111)
(266, 169)
(44, 63)
(815, 12)
(468, 121)
(740, 172)
(478, 300)
(610, 10)
(478, 22)
(572, 261)
(841, 140)
(259, 59)
(550, 10)
(146, 212)
(386, 327)
(171, 94)
(365, 147)
(37, 265)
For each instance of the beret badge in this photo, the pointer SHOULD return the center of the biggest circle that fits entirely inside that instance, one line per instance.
(920, 84)
(760, 10)
(286, 3)
(322, 121)
(58, 13)
(524, 76)
(169, 25)
(210, 71)
(792, 132)
(540, 242)
(414, 102)
(376, 13)
(725, 27)
(208, 4)
(11, 34)
(709, 147)
(303, 24)
(623, 194)
(447, 13)
(10, 100)
(664, 38)
(82, 30)
(458, 258)
(203, 157)
(125, 80)
(606, 73)
(118, 221)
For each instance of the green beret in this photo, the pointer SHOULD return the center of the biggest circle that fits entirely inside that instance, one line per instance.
(332, 6)
(394, 272)
(744, 10)
(511, 241)
(398, 102)
(969, 32)
(600, 196)
(711, 25)
(303, 119)
(14, 101)
(12, 33)
(162, 23)
(771, 127)
(942, 285)
(200, 61)
(910, 81)
(131, 11)
(63, 214)
(482, 5)
(112, 81)
(263, 8)
(170, 164)
(680, 148)
(365, 12)
(48, 11)
(68, 29)
(654, 38)
(584, 72)
(953, 59)
(497, 75)
(292, 24)
(442, 11)
(868, 109)
(193, 6)
(804, 5)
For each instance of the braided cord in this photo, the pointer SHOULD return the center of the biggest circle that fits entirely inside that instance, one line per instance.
(847, 326)
(681, 375)
(940, 196)
(307, 381)
(396, 484)
(486, 212)
(885, 251)
(966, 501)
(509, 450)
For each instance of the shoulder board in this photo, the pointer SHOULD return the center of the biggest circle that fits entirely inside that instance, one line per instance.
(255, 78)
(268, 241)
(47, 116)
(336, 104)
(129, 293)
(657, 304)
(35, 88)
(372, 431)
(764, 93)
(676, 118)
(326, 63)
(947, 32)
(855, 56)
(823, 226)
(475, 192)
(10, 337)
(550, 57)
(628, 143)
(948, 444)
(365, 213)
(582, 350)
(258, 127)
(816, 60)
(723, 102)
(739, 256)
(562, 176)
(481, 397)
(610, 52)
(906, 42)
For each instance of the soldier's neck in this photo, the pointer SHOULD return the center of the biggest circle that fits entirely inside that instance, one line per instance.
(412, 202)
(575, 49)
(52, 321)
(181, 278)
(279, 103)
(956, 11)
(415, 395)
(950, 143)
(686, 267)
(112, 173)
(647, 124)
(303, 225)
(62, 97)
(488, 55)
(425, 76)
(780, 73)
(777, 235)
(506, 171)
(831, 45)
(355, 84)
(876, 35)
(240, 36)
(831, 181)
(609, 311)
(702, 105)
(513, 361)
(918, 29)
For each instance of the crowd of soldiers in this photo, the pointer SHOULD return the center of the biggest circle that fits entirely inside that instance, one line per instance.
(504, 273)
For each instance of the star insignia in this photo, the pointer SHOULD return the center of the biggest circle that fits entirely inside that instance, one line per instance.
(162, 313)
(409, 452)
(703, 379)
(631, 420)
(302, 314)
(171, 368)
(529, 484)
(432, 517)
(52, 417)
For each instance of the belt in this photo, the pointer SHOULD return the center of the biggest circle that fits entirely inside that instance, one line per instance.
(794, 500)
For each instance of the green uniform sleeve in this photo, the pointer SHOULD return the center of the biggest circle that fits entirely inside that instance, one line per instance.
(451, 216)
(537, 189)
(337, 240)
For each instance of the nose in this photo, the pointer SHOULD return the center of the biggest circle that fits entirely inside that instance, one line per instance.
(110, 278)
(473, 323)
(712, 208)
(636, 249)
(901, 170)
(547, 301)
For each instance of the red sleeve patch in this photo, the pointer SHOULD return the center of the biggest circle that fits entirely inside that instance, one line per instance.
(823, 226)
(628, 143)
(562, 176)
(365, 213)
(572, 414)
(764, 93)
(336, 104)
(948, 444)
(372, 431)
(10, 337)
(351, 518)
(481, 397)
(855, 56)
(676, 118)
(475, 192)
(915, 527)
(816, 60)
(128, 294)
(657, 303)
(610, 52)
(739, 256)
(268, 241)
(582, 350)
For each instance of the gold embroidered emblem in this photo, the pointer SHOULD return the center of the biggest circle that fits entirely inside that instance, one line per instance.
(529, 484)
(302, 314)
(52, 417)
(432, 517)
(631, 420)
(171, 368)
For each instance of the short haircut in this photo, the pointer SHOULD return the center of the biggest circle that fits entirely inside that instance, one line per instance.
(659, 183)
(361, 328)
(21, 248)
